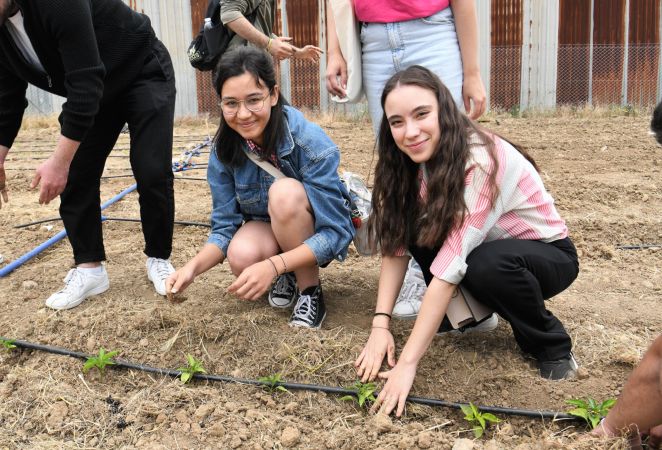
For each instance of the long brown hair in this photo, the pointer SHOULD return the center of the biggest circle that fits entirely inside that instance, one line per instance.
(398, 218)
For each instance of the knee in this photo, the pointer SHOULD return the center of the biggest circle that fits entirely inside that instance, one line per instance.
(240, 256)
(287, 199)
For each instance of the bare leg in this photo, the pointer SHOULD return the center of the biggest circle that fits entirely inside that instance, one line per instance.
(252, 243)
(639, 407)
(292, 223)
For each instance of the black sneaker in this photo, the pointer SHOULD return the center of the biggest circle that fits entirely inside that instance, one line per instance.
(309, 311)
(284, 291)
(559, 369)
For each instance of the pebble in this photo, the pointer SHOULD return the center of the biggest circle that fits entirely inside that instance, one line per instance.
(203, 411)
(463, 444)
(381, 423)
(290, 436)
(28, 284)
(582, 373)
(424, 439)
(144, 342)
(406, 443)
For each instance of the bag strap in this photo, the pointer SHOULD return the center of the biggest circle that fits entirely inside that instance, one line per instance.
(266, 166)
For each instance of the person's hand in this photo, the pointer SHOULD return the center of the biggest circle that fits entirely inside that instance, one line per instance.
(281, 48)
(3, 186)
(52, 175)
(179, 280)
(380, 344)
(655, 438)
(336, 75)
(473, 90)
(253, 281)
(393, 395)
(309, 52)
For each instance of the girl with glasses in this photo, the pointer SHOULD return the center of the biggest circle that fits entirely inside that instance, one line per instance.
(275, 234)
(471, 208)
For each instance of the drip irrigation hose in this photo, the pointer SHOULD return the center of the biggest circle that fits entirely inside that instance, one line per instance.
(638, 247)
(119, 363)
(119, 219)
(57, 238)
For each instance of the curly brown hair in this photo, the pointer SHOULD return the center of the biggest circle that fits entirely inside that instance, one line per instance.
(398, 218)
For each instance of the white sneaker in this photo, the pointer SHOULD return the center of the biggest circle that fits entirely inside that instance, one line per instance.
(411, 294)
(78, 285)
(158, 271)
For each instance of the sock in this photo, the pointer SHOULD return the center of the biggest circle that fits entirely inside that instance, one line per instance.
(92, 270)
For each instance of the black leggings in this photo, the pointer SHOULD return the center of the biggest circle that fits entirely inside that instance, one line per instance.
(514, 277)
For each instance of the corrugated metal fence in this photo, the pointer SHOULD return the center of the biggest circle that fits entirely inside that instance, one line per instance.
(533, 53)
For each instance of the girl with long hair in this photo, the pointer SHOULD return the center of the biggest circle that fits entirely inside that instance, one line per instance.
(274, 233)
(471, 208)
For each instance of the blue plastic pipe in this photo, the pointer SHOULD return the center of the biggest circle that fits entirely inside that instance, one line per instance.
(57, 238)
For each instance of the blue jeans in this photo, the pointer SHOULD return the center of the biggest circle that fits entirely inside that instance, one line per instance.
(390, 47)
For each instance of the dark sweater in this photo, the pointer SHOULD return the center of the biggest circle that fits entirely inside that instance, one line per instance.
(91, 51)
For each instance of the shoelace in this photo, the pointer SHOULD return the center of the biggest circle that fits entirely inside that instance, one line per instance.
(283, 286)
(305, 309)
(73, 281)
(162, 269)
(412, 293)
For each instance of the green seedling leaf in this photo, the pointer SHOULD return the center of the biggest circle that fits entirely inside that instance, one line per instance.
(273, 383)
(478, 420)
(364, 393)
(193, 366)
(100, 361)
(8, 344)
(590, 410)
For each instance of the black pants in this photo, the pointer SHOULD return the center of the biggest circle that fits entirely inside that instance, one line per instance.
(148, 107)
(514, 277)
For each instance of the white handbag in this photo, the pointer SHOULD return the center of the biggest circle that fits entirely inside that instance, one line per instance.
(347, 29)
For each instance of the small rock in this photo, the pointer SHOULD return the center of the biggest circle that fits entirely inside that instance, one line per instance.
(182, 416)
(144, 342)
(217, 430)
(29, 284)
(91, 344)
(290, 436)
(582, 373)
(381, 423)
(463, 444)
(161, 418)
(231, 406)
(203, 411)
(291, 407)
(505, 429)
(235, 442)
(406, 443)
(196, 428)
(424, 439)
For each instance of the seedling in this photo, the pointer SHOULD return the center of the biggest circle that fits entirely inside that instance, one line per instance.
(100, 361)
(480, 421)
(194, 366)
(364, 393)
(273, 383)
(590, 410)
(8, 344)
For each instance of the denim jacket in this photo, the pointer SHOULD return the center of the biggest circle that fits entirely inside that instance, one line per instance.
(307, 154)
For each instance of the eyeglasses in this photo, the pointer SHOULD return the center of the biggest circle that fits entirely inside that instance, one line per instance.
(230, 107)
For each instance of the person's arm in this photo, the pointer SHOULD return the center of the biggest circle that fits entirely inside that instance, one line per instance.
(336, 66)
(380, 342)
(208, 257)
(400, 379)
(52, 174)
(278, 46)
(466, 25)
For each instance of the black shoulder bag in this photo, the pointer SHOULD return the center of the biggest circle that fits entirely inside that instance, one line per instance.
(212, 39)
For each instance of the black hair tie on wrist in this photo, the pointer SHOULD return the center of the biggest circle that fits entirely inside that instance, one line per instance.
(382, 314)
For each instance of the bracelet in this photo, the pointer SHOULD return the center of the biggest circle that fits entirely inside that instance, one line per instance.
(284, 263)
(269, 44)
(382, 314)
(383, 328)
(274, 266)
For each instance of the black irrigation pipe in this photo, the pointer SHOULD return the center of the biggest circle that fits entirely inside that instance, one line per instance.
(117, 219)
(638, 247)
(191, 178)
(119, 363)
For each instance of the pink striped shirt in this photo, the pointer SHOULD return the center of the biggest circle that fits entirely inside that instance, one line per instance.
(523, 209)
(386, 11)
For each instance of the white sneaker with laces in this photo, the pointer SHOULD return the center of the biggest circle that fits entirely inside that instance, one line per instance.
(158, 271)
(78, 285)
(411, 294)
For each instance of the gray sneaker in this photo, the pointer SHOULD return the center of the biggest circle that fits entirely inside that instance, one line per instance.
(284, 291)
(559, 369)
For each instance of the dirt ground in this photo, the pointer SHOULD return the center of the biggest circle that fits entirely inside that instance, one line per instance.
(603, 170)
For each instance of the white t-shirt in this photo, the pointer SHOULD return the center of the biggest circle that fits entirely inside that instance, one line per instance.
(16, 30)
